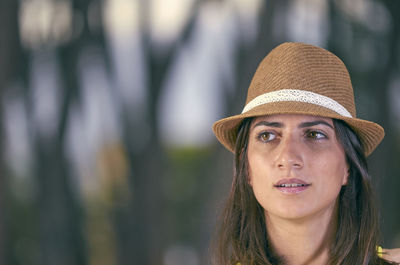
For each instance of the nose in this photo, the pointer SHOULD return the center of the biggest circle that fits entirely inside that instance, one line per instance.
(288, 154)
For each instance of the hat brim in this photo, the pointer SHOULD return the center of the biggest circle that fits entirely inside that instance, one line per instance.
(370, 133)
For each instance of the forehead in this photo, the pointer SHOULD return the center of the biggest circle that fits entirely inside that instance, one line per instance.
(292, 118)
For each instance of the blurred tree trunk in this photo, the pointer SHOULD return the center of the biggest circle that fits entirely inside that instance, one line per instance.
(60, 214)
(387, 161)
(148, 165)
(9, 52)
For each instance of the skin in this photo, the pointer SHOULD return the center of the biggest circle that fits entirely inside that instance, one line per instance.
(392, 255)
(290, 148)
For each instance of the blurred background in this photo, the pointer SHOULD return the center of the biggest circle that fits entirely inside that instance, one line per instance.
(106, 106)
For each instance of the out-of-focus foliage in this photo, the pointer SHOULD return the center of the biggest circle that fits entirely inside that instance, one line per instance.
(106, 106)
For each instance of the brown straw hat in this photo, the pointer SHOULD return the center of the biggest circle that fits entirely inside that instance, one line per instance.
(300, 78)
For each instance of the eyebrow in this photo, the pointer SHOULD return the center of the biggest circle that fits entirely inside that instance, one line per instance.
(269, 124)
(313, 123)
(302, 125)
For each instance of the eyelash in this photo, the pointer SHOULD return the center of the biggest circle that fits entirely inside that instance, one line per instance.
(260, 136)
(307, 134)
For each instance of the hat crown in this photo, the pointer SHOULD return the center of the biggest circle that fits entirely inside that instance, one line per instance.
(299, 66)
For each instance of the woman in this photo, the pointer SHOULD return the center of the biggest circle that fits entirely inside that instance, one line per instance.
(301, 193)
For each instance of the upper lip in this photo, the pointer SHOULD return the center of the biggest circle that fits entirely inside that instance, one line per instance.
(291, 181)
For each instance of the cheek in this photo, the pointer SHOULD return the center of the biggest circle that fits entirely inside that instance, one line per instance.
(260, 179)
(258, 168)
(333, 171)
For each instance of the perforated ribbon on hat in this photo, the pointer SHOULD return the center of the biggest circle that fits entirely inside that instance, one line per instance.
(298, 96)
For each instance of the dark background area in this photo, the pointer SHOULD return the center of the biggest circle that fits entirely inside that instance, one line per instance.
(107, 155)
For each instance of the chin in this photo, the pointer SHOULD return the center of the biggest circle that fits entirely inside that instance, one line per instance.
(293, 215)
(289, 213)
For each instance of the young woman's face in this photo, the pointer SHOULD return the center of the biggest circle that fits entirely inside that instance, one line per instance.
(296, 165)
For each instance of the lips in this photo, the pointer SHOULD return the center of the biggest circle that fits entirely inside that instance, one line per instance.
(292, 185)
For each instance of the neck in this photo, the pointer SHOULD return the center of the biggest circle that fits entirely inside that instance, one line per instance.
(305, 241)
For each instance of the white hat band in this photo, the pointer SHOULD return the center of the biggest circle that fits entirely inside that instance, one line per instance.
(298, 96)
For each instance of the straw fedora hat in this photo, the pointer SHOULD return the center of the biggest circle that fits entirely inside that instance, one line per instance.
(300, 78)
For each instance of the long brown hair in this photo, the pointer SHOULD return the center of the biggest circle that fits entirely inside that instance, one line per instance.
(242, 234)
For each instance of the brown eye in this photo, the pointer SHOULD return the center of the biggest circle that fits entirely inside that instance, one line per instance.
(316, 135)
(266, 136)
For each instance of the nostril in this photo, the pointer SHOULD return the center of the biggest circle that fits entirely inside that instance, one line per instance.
(289, 164)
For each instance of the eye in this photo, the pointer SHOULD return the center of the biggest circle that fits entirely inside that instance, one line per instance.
(315, 135)
(266, 136)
